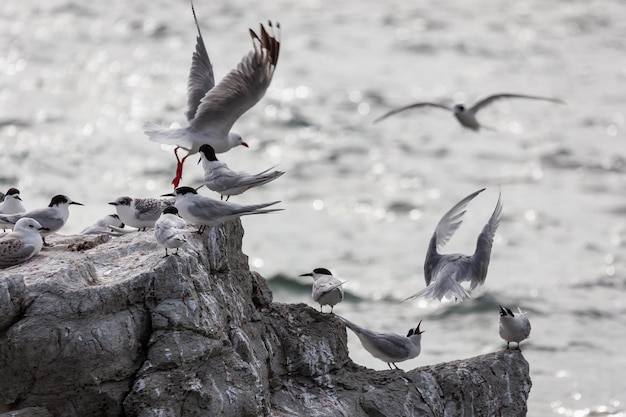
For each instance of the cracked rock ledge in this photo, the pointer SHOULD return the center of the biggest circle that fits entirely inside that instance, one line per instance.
(99, 326)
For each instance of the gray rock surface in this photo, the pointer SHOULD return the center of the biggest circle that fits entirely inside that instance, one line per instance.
(99, 326)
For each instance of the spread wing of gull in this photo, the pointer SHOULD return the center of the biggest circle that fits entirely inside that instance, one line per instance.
(412, 106)
(242, 88)
(201, 78)
(488, 100)
(482, 255)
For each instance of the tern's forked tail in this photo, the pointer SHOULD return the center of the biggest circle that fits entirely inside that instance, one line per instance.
(441, 289)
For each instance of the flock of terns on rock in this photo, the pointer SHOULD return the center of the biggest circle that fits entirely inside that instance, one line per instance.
(211, 112)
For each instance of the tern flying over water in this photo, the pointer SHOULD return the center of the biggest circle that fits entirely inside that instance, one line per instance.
(444, 273)
(213, 109)
(467, 115)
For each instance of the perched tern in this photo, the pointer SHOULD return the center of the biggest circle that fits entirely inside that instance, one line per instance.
(51, 218)
(445, 273)
(21, 244)
(513, 328)
(219, 178)
(11, 204)
(171, 230)
(204, 211)
(107, 225)
(141, 213)
(327, 290)
(467, 115)
(213, 109)
(389, 347)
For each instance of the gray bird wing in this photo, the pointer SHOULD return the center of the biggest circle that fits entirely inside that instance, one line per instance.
(445, 229)
(482, 255)
(451, 221)
(412, 106)
(324, 287)
(172, 226)
(207, 208)
(14, 250)
(488, 100)
(150, 208)
(46, 216)
(201, 78)
(240, 89)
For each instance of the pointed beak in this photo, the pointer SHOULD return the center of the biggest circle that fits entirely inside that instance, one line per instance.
(306, 275)
(168, 195)
(244, 144)
(197, 188)
(199, 160)
(43, 229)
(417, 329)
(77, 203)
(113, 203)
(18, 197)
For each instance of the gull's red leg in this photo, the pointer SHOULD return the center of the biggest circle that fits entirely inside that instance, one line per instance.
(179, 168)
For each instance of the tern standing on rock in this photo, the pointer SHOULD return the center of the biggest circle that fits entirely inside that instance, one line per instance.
(171, 230)
(513, 328)
(223, 180)
(204, 211)
(102, 226)
(213, 109)
(327, 290)
(11, 204)
(444, 273)
(389, 347)
(51, 218)
(141, 213)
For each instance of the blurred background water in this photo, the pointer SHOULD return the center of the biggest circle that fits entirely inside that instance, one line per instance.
(78, 80)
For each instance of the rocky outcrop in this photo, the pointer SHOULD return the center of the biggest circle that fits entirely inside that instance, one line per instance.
(109, 327)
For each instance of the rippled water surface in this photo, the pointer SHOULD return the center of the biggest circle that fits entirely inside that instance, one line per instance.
(79, 79)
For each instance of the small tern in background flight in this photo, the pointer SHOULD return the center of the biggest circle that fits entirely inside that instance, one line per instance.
(389, 347)
(513, 328)
(223, 180)
(11, 204)
(21, 244)
(327, 290)
(171, 230)
(467, 116)
(141, 213)
(445, 273)
(204, 211)
(213, 109)
(51, 218)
